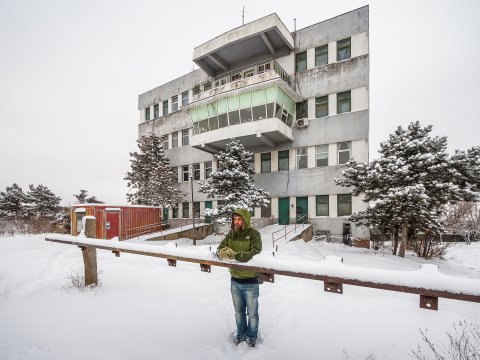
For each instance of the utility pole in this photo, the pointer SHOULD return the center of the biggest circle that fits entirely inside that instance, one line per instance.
(193, 211)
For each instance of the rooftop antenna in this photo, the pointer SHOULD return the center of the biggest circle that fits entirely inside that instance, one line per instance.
(243, 15)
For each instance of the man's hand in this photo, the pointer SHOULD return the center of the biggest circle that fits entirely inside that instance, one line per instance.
(226, 253)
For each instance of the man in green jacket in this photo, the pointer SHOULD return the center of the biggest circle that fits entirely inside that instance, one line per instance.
(242, 243)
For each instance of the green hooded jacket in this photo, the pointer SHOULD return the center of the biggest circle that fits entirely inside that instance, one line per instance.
(246, 243)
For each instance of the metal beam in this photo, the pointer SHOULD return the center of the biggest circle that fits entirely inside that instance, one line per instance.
(267, 42)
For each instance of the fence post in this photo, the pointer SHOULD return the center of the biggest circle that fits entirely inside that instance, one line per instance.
(90, 254)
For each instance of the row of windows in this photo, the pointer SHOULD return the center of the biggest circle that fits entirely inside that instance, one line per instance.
(344, 51)
(175, 139)
(344, 104)
(195, 171)
(344, 150)
(322, 206)
(156, 107)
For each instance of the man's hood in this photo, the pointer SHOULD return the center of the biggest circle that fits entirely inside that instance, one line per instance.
(245, 214)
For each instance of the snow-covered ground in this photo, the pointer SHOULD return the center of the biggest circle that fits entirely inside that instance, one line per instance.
(148, 310)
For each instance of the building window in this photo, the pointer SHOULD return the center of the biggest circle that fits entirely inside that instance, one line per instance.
(185, 98)
(321, 55)
(264, 67)
(322, 205)
(174, 103)
(236, 76)
(344, 102)
(248, 73)
(301, 61)
(186, 173)
(208, 169)
(165, 142)
(156, 111)
(185, 210)
(184, 137)
(266, 165)
(207, 86)
(175, 211)
(321, 155)
(196, 171)
(302, 109)
(343, 49)
(302, 158)
(344, 150)
(196, 209)
(321, 106)
(147, 114)
(165, 107)
(344, 204)
(196, 90)
(174, 140)
(283, 160)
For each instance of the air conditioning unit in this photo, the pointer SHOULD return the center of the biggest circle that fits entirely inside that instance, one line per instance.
(302, 123)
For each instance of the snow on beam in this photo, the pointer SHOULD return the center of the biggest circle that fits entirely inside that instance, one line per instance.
(426, 281)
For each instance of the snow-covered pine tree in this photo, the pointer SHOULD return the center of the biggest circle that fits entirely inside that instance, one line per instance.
(12, 203)
(151, 179)
(83, 198)
(41, 202)
(409, 185)
(233, 183)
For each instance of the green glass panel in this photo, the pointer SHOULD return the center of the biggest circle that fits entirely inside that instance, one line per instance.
(194, 114)
(222, 106)
(212, 109)
(289, 104)
(271, 92)
(280, 96)
(233, 103)
(202, 112)
(245, 101)
(258, 97)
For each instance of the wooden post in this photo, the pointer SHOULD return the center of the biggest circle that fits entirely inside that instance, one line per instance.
(90, 254)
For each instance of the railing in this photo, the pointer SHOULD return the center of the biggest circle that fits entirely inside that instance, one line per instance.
(262, 222)
(333, 277)
(301, 221)
(243, 73)
(143, 230)
(182, 222)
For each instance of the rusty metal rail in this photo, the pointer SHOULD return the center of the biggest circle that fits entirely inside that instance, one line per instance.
(428, 298)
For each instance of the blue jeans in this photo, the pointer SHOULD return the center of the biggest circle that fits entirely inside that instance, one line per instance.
(245, 297)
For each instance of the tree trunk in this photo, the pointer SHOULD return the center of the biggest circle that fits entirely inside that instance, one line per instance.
(403, 243)
(395, 242)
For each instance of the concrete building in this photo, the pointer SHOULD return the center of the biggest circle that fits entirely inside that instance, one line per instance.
(299, 101)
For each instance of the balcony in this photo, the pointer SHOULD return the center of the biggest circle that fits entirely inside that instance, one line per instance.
(258, 40)
(253, 76)
(257, 118)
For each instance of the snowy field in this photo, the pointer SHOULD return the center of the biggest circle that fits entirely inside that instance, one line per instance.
(145, 309)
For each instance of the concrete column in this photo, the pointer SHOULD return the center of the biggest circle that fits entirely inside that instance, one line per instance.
(332, 104)
(359, 99)
(310, 58)
(359, 44)
(311, 108)
(311, 156)
(332, 52)
(258, 212)
(292, 159)
(274, 161)
(332, 205)
(360, 150)
(293, 208)
(312, 211)
(258, 160)
(332, 154)
(274, 202)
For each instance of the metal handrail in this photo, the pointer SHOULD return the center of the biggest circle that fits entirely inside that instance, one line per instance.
(226, 77)
(307, 218)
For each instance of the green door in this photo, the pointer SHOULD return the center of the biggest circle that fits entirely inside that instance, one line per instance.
(165, 215)
(284, 211)
(302, 209)
(208, 205)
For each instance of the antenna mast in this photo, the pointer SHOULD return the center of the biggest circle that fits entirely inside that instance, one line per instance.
(243, 15)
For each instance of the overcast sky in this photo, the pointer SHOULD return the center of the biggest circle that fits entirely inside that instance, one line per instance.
(71, 73)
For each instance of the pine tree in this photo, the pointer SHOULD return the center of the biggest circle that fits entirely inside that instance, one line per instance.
(151, 179)
(12, 203)
(408, 187)
(41, 202)
(83, 198)
(233, 183)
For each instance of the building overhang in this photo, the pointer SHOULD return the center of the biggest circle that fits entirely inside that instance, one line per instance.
(267, 132)
(261, 39)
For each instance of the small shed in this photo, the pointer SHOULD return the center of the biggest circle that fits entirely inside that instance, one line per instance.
(123, 221)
